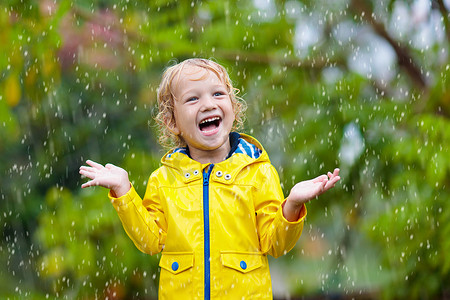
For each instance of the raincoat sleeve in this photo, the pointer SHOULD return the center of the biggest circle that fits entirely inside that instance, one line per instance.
(276, 234)
(143, 220)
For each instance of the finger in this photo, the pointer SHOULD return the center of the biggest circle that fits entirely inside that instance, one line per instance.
(331, 183)
(320, 188)
(110, 166)
(320, 178)
(88, 184)
(94, 164)
(88, 174)
(337, 178)
(334, 174)
(334, 179)
(328, 186)
(87, 169)
(324, 184)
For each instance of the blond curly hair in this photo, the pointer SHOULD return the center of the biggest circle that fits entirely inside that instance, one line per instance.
(170, 78)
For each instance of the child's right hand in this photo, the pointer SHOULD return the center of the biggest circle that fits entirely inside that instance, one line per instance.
(108, 176)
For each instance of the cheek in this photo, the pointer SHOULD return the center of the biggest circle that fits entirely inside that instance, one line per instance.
(177, 115)
(234, 109)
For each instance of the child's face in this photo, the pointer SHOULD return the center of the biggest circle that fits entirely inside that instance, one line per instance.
(203, 112)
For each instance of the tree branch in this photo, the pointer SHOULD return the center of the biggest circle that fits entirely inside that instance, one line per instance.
(317, 63)
(404, 57)
(444, 13)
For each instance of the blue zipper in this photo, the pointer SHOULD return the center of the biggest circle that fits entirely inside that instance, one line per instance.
(206, 175)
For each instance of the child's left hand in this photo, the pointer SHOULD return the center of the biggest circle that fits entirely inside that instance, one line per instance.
(305, 191)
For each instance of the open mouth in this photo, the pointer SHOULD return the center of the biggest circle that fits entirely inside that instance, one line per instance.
(209, 124)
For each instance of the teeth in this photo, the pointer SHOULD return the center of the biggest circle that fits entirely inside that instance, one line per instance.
(210, 120)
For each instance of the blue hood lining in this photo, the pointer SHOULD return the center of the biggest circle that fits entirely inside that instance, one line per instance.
(238, 145)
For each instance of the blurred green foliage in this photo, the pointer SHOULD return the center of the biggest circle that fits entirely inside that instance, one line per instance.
(78, 80)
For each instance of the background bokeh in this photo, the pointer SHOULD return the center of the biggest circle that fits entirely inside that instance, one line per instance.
(358, 84)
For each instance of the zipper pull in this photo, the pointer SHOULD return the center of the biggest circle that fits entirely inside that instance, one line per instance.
(206, 174)
(205, 177)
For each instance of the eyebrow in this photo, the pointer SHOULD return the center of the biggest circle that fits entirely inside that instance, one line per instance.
(214, 87)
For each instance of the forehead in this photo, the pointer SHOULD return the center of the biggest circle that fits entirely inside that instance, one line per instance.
(197, 73)
(192, 77)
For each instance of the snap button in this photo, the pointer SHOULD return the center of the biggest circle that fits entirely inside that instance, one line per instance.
(187, 175)
(175, 266)
(196, 172)
(243, 265)
(227, 176)
(219, 173)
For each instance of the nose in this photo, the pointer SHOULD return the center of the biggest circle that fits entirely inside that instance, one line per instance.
(208, 103)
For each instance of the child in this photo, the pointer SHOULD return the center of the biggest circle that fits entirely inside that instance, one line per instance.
(215, 207)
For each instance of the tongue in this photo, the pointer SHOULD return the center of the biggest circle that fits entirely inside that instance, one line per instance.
(208, 126)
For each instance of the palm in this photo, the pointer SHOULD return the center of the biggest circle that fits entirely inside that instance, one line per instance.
(108, 176)
(306, 190)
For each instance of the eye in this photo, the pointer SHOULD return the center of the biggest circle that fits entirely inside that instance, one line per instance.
(191, 99)
(218, 94)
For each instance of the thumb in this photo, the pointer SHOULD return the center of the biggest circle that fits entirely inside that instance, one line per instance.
(324, 183)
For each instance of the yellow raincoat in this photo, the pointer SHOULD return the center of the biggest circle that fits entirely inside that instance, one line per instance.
(215, 225)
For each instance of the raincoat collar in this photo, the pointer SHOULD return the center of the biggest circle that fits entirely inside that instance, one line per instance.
(245, 150)
(238, 145)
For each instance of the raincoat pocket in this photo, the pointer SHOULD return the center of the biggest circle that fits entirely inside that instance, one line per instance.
(177, 262)
(176, 275)
(243, 262)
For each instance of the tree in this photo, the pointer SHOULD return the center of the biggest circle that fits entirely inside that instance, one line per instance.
(345, 83)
